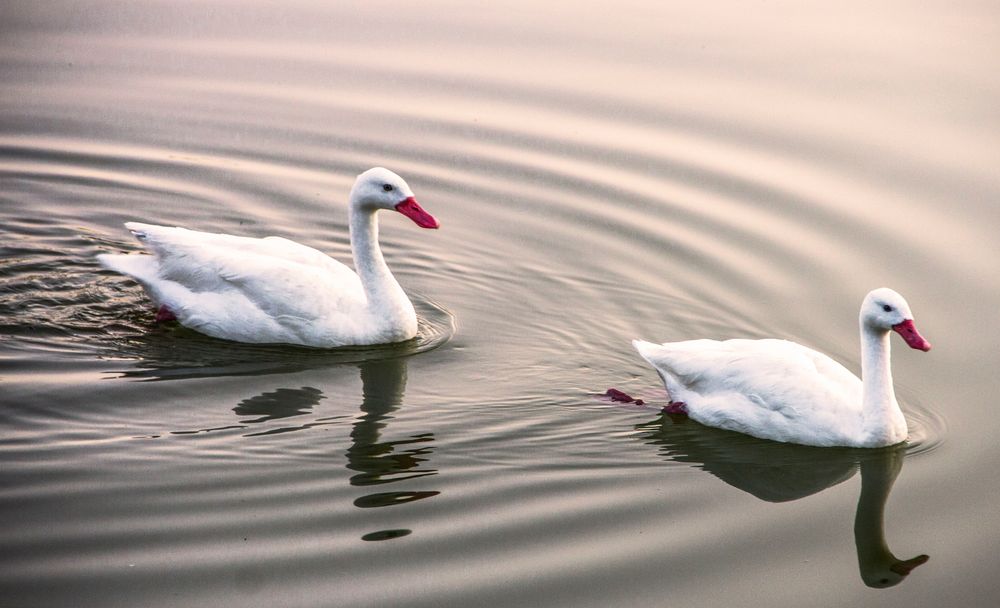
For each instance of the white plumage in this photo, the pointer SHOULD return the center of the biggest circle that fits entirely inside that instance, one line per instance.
(274, 290)
(780, 390)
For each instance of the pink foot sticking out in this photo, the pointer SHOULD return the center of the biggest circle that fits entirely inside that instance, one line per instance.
(619, 397)
(164, 314)
(676, 407)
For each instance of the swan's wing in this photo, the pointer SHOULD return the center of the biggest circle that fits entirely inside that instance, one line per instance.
(163, 239)
(285, 289)
(771, 389)
(773, 375)
(197, 259)
(250, 290)
(833, 371)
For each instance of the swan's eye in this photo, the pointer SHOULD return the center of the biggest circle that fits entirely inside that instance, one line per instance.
(387, 187)
(887, 308)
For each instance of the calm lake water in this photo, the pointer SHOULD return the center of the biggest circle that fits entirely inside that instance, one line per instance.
(601, 173)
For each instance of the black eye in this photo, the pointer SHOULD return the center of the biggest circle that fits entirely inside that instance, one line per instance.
(387, 187)
(887, 308)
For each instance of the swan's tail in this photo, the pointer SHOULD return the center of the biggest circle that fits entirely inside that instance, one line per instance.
(646, 350)
(145, 270)
(142, 268)
(650, 351)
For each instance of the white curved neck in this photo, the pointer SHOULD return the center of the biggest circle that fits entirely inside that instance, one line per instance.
(882, 416)
(380, 286)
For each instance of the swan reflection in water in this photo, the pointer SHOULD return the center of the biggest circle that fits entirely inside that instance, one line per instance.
(781, 472)
(374, 460)
(279, 404)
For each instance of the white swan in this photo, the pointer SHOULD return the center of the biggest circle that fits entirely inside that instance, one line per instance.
(273, 290)
(780, 390)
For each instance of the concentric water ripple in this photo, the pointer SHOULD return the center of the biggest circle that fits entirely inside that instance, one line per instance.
(646, 172)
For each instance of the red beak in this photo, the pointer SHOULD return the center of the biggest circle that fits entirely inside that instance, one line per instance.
(412, 209)
(911, 335)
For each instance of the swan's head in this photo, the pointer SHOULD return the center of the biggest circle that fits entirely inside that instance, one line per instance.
(885, 309)
(883, 575)
(380, 188)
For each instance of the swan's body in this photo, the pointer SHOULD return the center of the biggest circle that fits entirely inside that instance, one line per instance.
(780, 390)
(274, 290)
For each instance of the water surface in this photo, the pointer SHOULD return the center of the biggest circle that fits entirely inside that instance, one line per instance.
(601, 173)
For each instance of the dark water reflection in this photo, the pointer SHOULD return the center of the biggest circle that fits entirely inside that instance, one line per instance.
(379, 461)
(281, 403)
(781, 472)
(274, 405)
(374, 460)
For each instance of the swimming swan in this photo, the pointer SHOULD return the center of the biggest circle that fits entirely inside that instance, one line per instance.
(780, 390)
(273, 290)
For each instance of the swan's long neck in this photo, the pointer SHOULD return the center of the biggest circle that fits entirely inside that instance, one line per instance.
(381, 288)
(882, 419)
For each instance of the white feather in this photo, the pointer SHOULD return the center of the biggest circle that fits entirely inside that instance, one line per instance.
(274, 290)
(780, 390)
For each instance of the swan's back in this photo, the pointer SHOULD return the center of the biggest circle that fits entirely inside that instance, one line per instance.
(200, 259)
(774, 389)
(247, 289)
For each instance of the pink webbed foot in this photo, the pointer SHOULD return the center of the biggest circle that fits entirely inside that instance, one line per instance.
(164, 314)
(676, 407)
(620, 397)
